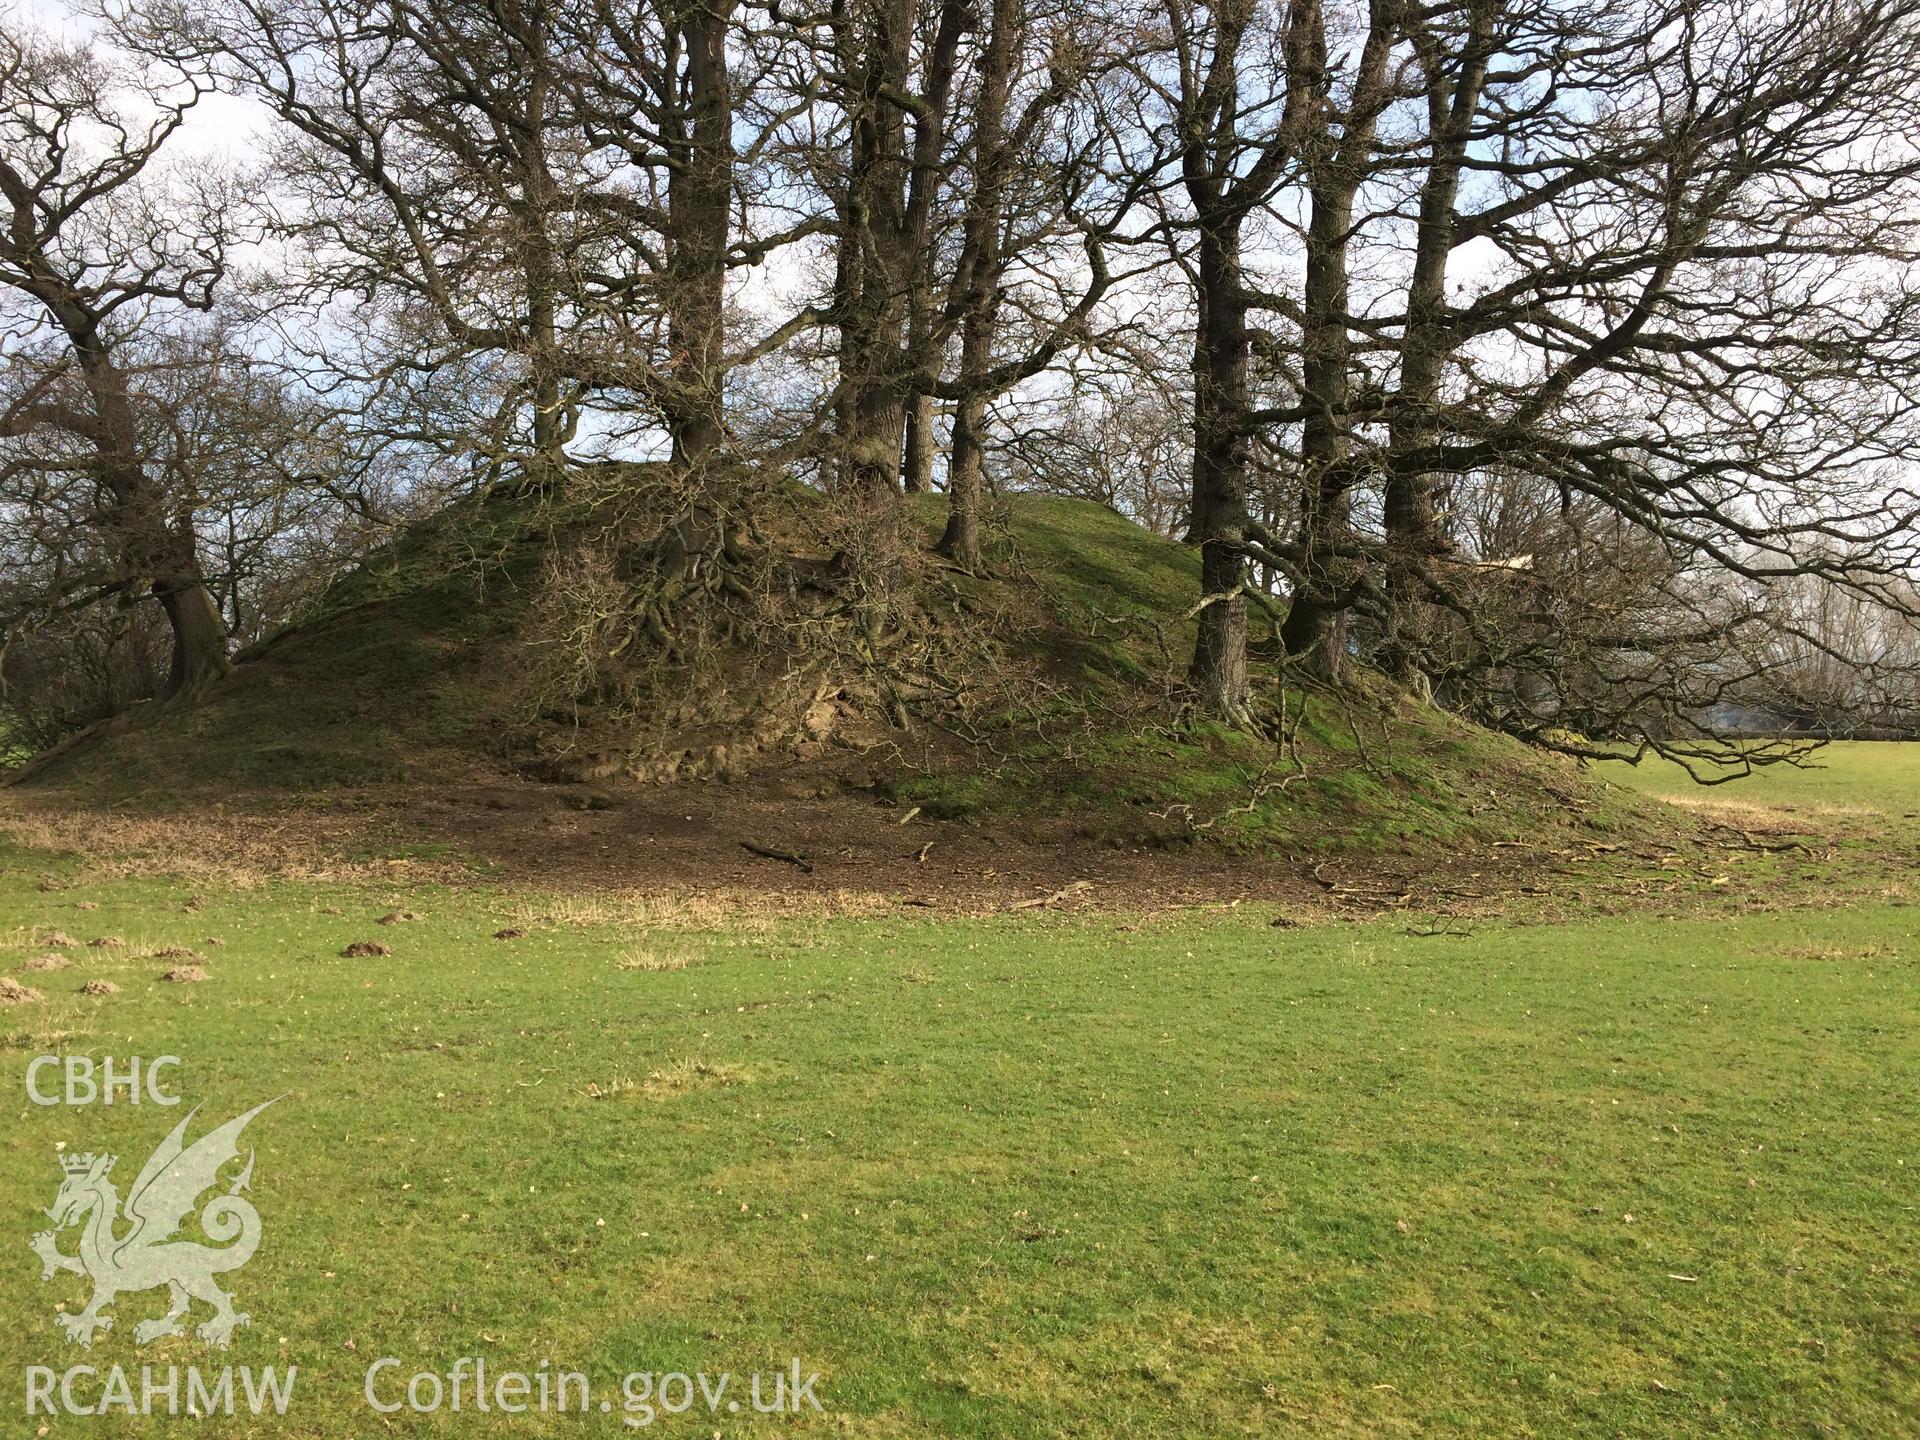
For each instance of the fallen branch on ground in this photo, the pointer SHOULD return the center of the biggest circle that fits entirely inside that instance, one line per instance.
(1077, 887)
(768, 852)
(1792, 842)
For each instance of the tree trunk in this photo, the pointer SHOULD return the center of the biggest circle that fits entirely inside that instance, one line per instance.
(977, 280)
(540, 202)
(199, 634)
(1315, 629)
(966, 485)
(966, 479)
(164, 556)
(917, 469)
(874, 260)
(1411, 532)
(886, 206)
(1312, 633)
(1218, 673)
(870, 423)
(700, 193)
(153, 553)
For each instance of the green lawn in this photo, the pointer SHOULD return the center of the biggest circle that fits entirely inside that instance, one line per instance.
(1881, 776)
(1042, 1175)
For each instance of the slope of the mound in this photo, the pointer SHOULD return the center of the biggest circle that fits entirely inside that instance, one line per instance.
(405, 674)
(394, 677)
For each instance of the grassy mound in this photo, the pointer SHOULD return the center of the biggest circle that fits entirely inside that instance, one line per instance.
(411, 671)
(393, 678)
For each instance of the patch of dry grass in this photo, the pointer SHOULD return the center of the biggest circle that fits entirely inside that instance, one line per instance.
(243, 852)
(732, 910)
(675, 1077)
(1759, 817)
(1836, 952)
(644, 959)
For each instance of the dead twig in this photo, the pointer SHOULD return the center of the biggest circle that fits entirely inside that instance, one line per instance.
(1440, 929)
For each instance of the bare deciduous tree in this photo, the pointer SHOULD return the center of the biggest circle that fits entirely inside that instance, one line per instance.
(99, 248)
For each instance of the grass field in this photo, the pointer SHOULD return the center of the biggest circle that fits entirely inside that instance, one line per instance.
(1038, 1174)
(1869, 776)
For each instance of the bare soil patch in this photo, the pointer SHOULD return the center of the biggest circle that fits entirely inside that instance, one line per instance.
(636, 852)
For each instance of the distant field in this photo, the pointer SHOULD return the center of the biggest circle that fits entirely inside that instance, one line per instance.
(1030, 1176)
(1881, 776)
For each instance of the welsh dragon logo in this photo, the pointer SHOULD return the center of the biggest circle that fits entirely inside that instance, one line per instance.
(145, 1256)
